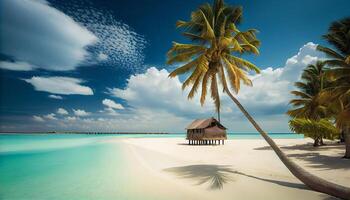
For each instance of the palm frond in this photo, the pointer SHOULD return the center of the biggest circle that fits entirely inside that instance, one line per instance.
(329, 52)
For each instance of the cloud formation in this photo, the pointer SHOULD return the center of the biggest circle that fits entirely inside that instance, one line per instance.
(111, 107)
(112, 104)
(155, 91)
(53, 96)
(118, 44)
(59, 85)
(80, 113)
(51, 116)
(270, 93)
(38, 118)
(62, 111)
(17, 66)
(35, 37)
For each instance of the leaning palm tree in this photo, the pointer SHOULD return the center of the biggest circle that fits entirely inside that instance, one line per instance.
(308, 105)
(339, 62)
(215, 55)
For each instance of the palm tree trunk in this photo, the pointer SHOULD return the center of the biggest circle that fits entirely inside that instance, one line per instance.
(219, 115)
(347, 143)
(316, 142)
(312, 181)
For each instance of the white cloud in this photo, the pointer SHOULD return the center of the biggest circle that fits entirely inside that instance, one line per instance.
(109, 111)
(118, 45)
(53, 96)
(111, 104)
(17, 66)
(270, 93)
(111, 107)
(71, 118)
(50, 116)
(81, 113)
(38, 118)
(42, 36)
(59, 85)
(154, 90)
(62, 111)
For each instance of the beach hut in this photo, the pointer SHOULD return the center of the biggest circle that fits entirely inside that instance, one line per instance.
(206, 131)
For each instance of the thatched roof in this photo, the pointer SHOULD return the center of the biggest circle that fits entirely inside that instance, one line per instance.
(204, 123)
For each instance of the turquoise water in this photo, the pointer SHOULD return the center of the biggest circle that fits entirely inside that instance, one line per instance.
(70, 166)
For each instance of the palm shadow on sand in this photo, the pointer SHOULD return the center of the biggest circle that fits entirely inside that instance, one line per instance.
(218, 175)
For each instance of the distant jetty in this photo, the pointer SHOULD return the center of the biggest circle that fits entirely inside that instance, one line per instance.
(81, 132)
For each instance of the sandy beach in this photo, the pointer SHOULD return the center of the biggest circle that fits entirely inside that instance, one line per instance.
(240, 169)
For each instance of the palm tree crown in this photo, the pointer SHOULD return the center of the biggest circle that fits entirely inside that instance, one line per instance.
(215, 50)
(312, 82)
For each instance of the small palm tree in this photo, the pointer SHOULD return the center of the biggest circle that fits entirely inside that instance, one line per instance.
(214, 55)
(339, 62)
(308, 105)
(314, 128)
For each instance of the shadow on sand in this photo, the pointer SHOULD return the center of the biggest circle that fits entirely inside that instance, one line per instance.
(313, 156)
(218, 175)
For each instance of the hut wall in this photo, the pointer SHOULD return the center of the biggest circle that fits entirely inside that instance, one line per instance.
(215, 133)
(195, 134)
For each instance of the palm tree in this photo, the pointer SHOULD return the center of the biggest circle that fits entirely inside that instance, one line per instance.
(308, 105)
(316, 129)
(339, 62)
(214, 52)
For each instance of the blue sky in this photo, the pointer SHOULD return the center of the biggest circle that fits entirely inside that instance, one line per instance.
(100, 65)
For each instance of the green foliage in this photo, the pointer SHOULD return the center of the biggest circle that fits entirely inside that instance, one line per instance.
(337, 96)
(307, 104)
(315, 129)
(324, 89)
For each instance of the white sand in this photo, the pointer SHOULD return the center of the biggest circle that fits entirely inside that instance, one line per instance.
(168, 168)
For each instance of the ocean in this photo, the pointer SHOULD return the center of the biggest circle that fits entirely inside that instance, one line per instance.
(72, 166)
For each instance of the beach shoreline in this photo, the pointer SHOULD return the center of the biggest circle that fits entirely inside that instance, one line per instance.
(229, 171)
